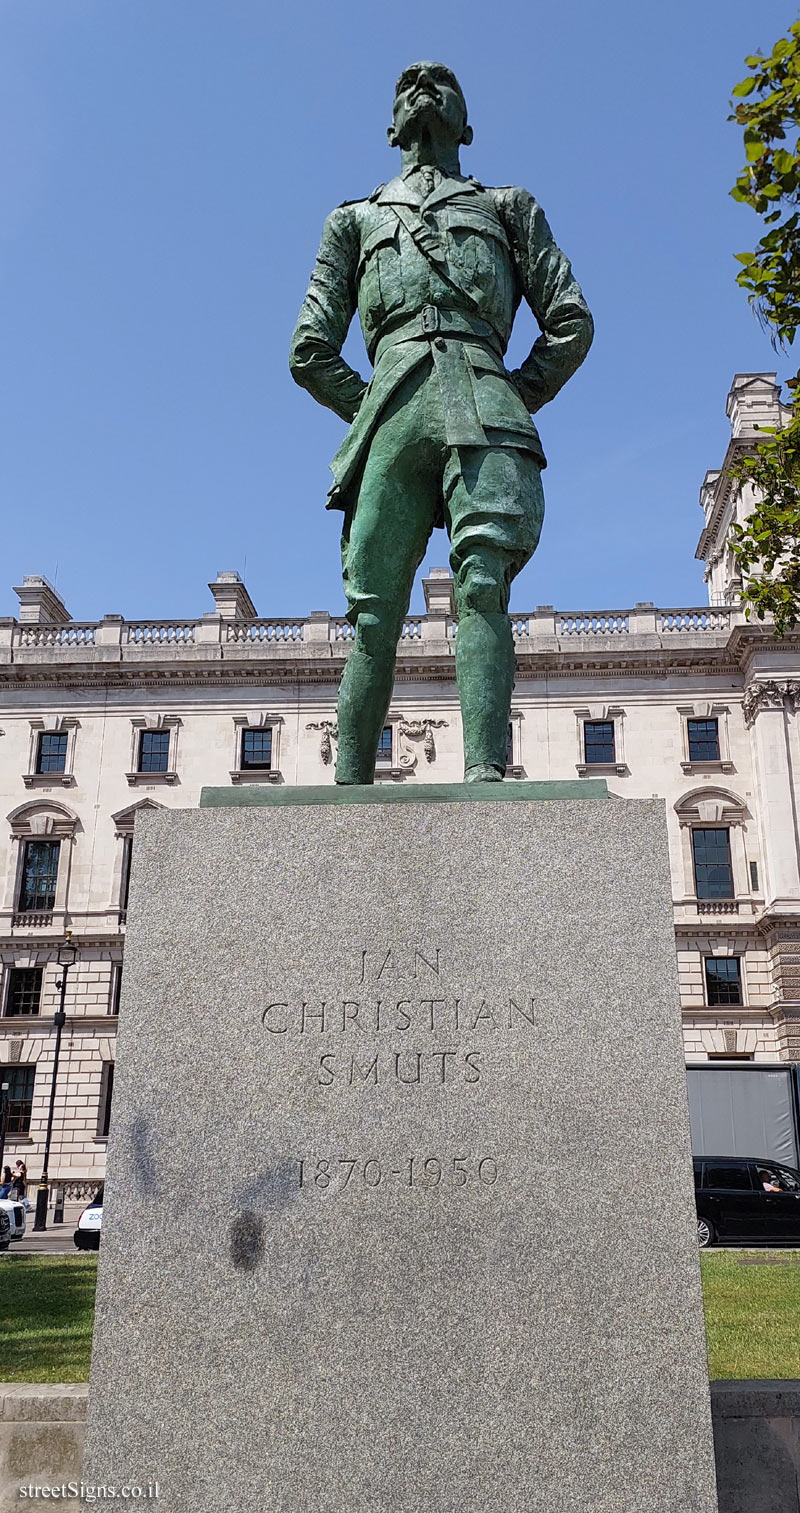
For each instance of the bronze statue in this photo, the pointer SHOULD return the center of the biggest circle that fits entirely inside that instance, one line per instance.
(436, 265)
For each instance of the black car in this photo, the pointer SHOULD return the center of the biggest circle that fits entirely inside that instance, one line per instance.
(743, 1200)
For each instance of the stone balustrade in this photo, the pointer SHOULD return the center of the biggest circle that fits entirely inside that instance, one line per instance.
(215, 637)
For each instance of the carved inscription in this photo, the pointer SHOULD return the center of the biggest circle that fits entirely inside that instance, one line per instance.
(333, 1174)
(399, 994)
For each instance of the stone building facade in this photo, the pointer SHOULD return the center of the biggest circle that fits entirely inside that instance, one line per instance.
(697, 706)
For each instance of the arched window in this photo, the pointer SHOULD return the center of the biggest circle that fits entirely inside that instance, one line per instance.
(124, 821)
(713, 825)
(37, 882)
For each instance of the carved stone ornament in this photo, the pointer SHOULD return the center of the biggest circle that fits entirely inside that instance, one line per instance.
(330, 733)
(758, 696)
(793, 695)
(417, 730)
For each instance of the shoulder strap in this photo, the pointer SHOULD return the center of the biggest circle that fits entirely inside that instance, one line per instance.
(428, 243)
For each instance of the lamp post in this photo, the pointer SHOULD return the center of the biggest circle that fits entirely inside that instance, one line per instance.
(4, 1090)
(66, 956)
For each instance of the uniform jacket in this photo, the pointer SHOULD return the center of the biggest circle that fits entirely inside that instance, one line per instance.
(439, 278)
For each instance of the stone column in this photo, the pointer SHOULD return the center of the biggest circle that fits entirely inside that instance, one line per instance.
(764, 713)
(764, 709)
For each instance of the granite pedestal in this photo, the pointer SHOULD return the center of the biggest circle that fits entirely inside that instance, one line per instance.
(410, 1078)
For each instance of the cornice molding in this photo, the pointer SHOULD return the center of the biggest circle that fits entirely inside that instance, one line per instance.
(526, 666)
(737, 447)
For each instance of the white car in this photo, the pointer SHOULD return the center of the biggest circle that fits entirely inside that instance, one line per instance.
(16, 1216)
(87, 1235)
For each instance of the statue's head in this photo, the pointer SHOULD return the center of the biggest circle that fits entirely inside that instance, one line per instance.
(428, 94)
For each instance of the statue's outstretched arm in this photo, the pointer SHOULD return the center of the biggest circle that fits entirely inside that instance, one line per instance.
(315, 358)
(554, 296)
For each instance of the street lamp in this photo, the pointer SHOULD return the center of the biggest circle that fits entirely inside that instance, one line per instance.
(66, 956)
(4, 1091)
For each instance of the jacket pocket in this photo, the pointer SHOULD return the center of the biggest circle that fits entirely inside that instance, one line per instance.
(380, 280)
(481, 250)
(497, 398)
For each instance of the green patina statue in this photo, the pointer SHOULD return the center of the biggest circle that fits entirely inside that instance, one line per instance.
(436, 265)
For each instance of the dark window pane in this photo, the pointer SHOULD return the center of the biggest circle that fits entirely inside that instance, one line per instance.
(125, 883)
(723, 979)
(154, 751)
(385, 746)
(256, 748)
(703, 740)
(51, 754)
(510, 747)
(598, 741)
(20, 1081)
(712, 863)
(116, 989)
(39, 872)
(24, 990)
(727, 1176)
(106, 1093)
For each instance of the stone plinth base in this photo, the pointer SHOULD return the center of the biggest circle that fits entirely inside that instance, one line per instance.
(410, 1078)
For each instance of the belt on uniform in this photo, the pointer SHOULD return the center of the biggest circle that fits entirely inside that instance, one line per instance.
(431, 322)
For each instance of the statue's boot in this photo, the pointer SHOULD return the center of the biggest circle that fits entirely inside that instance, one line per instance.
(364, 695)
(485, 666)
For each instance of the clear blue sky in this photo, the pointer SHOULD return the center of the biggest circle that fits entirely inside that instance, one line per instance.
(165, 169)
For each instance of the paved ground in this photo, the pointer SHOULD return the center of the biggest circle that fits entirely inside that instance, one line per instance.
(55, 1240)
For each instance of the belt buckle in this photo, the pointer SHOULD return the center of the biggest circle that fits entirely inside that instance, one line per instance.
(430, 319)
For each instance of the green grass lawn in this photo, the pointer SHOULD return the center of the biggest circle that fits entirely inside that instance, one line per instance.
(752, 1315)
(46, 1316)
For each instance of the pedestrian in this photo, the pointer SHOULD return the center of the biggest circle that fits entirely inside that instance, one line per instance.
(5, 1185)
(19, 1185)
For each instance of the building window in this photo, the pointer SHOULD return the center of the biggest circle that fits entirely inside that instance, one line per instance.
(37, 893)
(723, 979)
(703, 737)
(713, 874)
(104, 1105)
(116, 988)
(24, 990)
(20, 1081)
(125, 879)
(385, 744)
(51, 754)
(598, 742)
(256, 749)
(51, 751)
(154, 751)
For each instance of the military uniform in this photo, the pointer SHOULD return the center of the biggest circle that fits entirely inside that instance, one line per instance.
(442, 434)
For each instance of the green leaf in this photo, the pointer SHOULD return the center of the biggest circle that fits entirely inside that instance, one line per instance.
(745, 88)
(754, 149)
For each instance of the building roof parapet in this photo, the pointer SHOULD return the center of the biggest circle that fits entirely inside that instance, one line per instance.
(150, 644)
